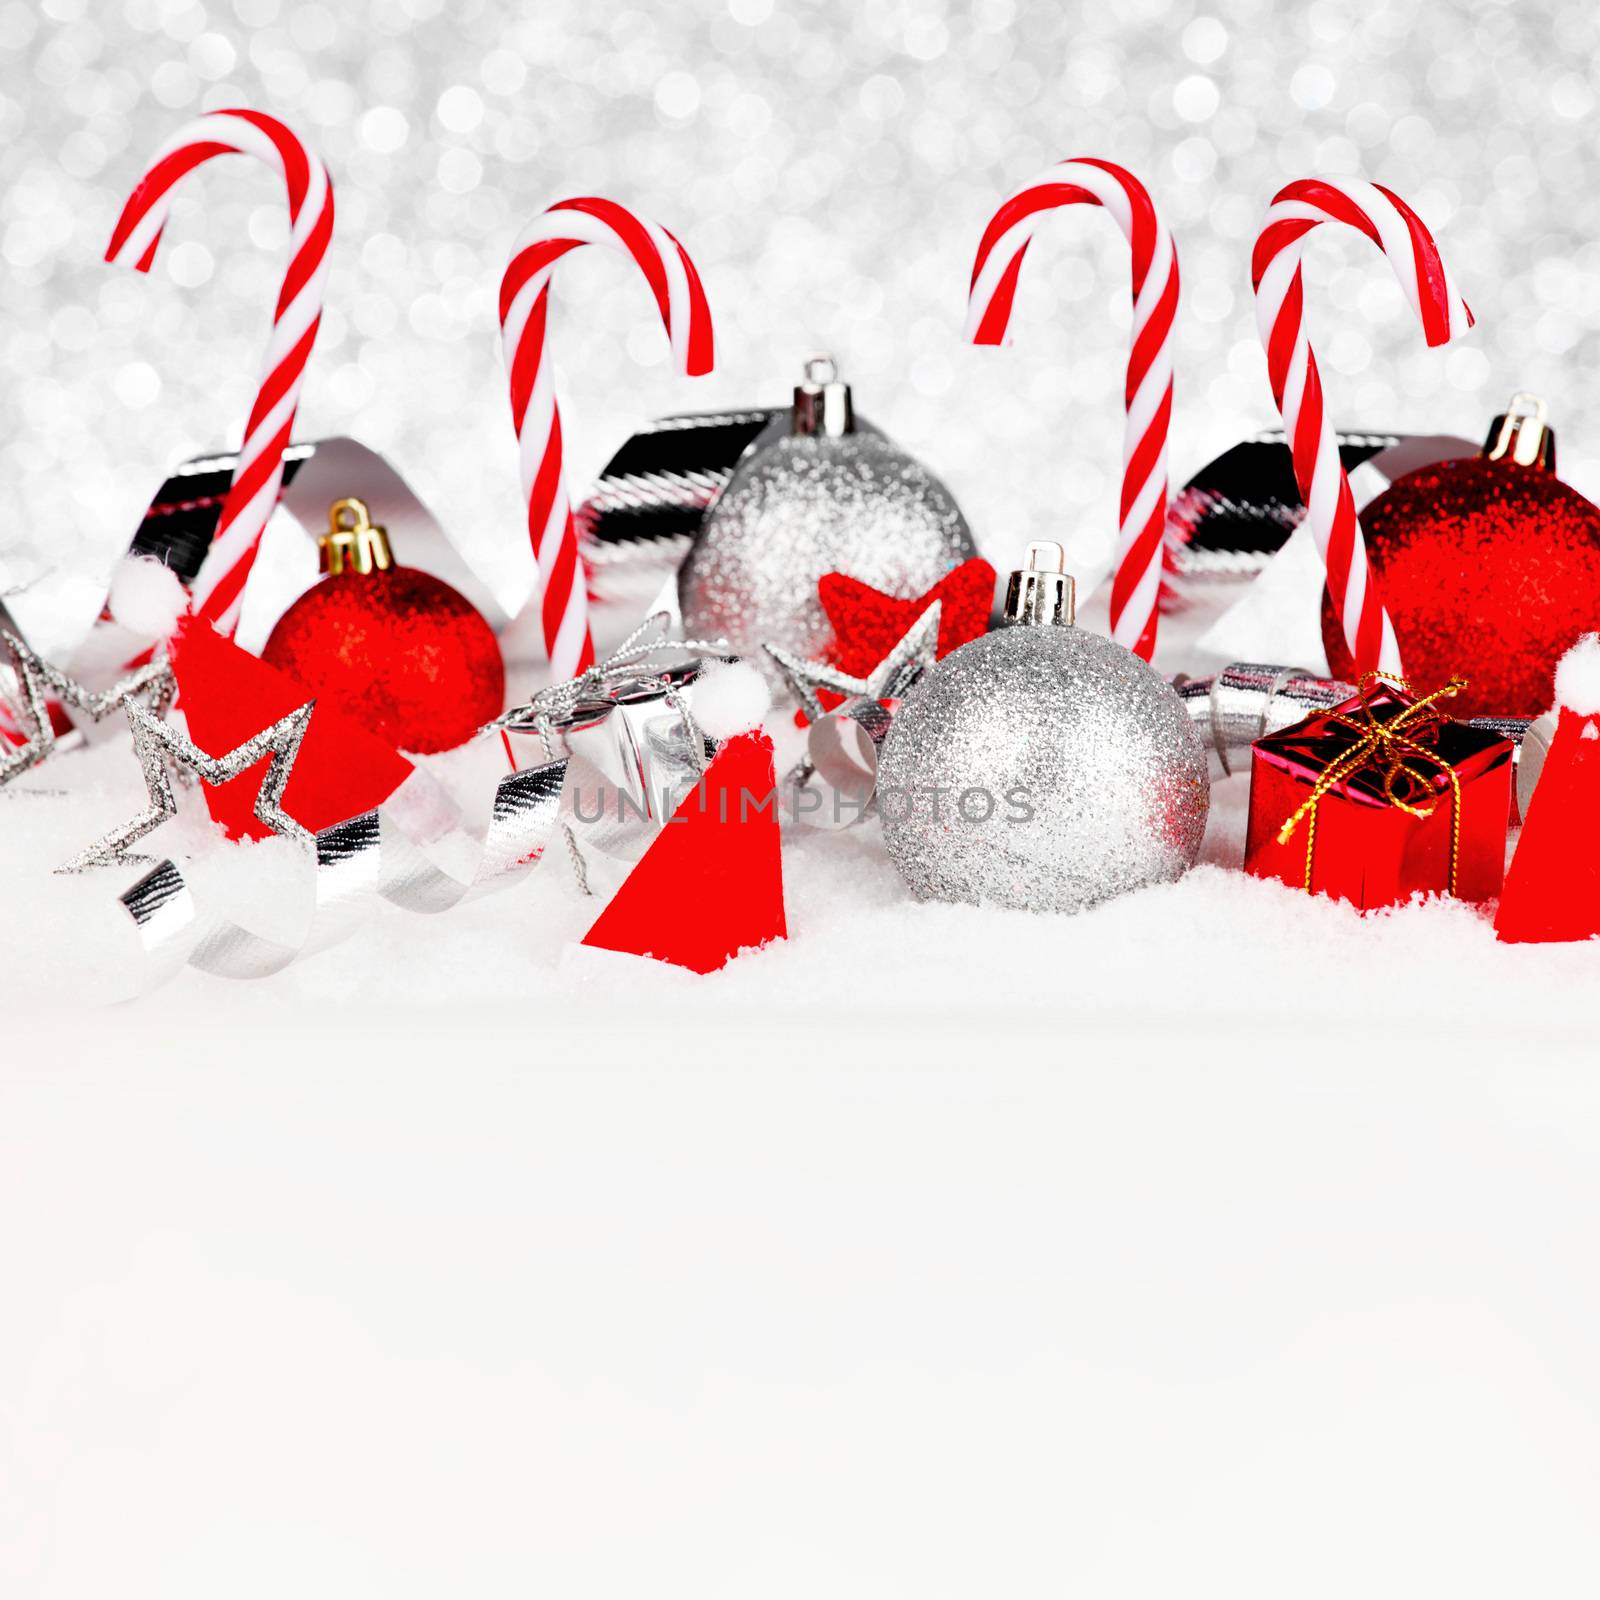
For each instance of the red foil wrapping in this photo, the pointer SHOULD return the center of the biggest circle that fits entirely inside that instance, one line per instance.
(1359, 842)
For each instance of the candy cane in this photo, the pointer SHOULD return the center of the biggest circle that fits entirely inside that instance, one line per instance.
(258, 473)
(1297, 385)
(524, 307)
(1147, 396)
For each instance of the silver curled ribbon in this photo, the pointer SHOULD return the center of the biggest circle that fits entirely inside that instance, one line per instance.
(413, 852)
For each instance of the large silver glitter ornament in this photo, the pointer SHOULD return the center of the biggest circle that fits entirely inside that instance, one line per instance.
(1041, 767)
(816, 494)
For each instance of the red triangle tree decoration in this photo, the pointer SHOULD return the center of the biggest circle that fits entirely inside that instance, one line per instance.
(228, 695)
(711, 883)
(1552, 891)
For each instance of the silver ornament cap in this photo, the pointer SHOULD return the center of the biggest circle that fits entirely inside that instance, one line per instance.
(1041, 591)
(822, 404)
(1041, 767)
(823, 491)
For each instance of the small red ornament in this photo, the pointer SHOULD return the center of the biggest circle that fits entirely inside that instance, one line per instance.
(1489, 566)
(711, 883)
(396, 647)
(228, 696)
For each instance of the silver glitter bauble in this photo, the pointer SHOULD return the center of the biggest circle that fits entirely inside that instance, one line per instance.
(1041, 767)
(819, 496)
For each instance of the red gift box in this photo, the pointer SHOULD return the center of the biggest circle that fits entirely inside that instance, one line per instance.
(1380, 798)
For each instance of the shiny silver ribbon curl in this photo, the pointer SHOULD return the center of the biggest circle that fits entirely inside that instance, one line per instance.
(410, 852)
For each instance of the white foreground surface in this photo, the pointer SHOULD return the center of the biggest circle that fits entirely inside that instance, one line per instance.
(356, 1302)
(1220, 1241)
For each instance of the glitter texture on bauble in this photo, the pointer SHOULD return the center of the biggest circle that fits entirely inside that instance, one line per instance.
(823, 496)
(393, 646)
(1041, 767)
(1490, 568)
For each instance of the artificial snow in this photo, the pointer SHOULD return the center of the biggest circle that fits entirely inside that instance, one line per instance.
(1216, 947)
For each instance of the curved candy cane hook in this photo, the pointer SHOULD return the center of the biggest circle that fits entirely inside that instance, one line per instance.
(258, 473)
(1275, 274)
(524, 311)
(1147, 396)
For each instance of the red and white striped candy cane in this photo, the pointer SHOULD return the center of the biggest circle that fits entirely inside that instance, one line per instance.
(1147, 397)
(524, 309)
(258, 474)
(1297, 385)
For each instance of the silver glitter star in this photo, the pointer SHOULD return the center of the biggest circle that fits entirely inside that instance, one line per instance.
(913, 653)
(154, 739)
(36, 677)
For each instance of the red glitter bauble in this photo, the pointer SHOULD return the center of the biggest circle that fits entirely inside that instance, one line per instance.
(398, 649)
(1491, 572)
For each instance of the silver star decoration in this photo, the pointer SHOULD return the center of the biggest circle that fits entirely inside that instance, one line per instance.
(913, 653)
(36, 678)
(154, 740)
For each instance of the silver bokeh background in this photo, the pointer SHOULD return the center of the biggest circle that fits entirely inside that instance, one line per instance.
(830, 167)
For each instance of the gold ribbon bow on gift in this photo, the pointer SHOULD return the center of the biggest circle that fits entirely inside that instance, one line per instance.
(1388, 746)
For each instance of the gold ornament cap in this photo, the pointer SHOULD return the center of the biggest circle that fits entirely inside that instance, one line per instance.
(1042, 593)
(353, 543)
(1523, 435)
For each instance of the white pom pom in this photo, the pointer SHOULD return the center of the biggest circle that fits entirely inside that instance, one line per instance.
(1578, 677)
(146, 597)
(730, 699)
